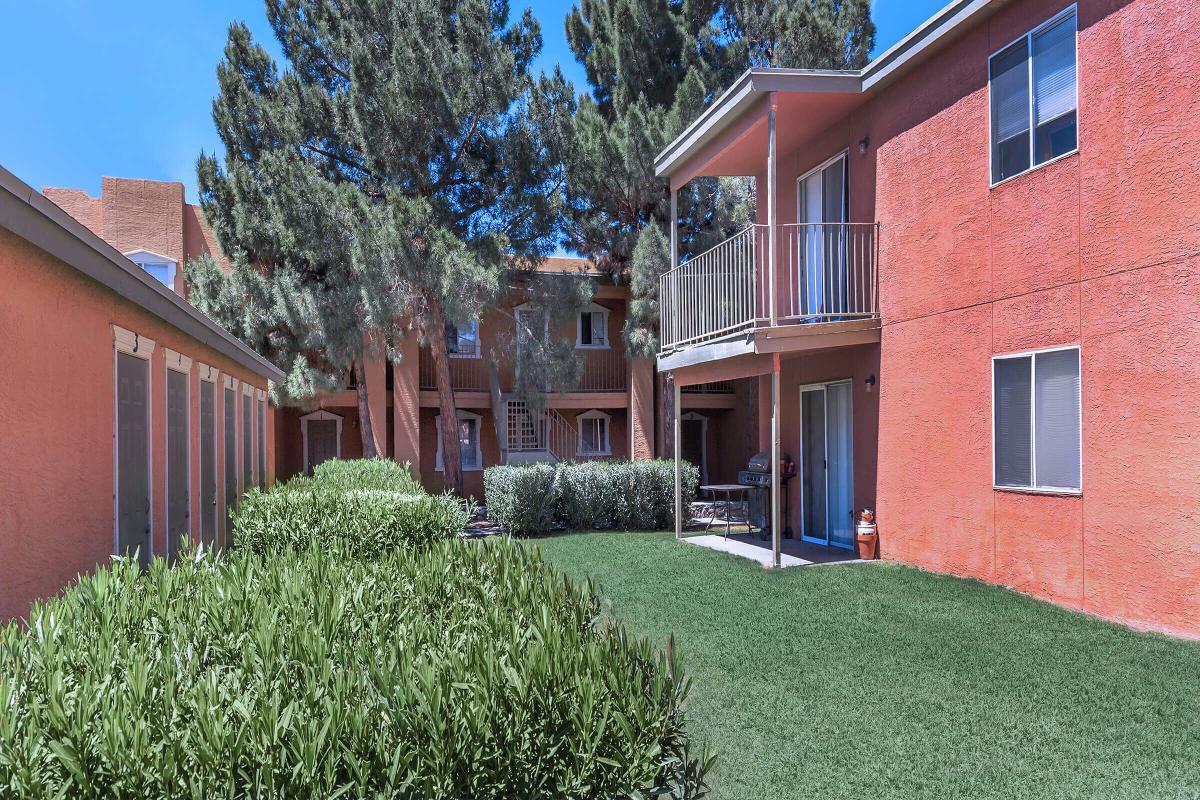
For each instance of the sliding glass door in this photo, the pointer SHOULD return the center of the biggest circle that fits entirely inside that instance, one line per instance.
(827, 465)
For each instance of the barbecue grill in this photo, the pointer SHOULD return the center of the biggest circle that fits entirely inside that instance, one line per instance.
(757, 475)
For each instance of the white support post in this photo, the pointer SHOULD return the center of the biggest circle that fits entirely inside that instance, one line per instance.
(678, 473)
(676, 308)
(776, 500)
(772, 211)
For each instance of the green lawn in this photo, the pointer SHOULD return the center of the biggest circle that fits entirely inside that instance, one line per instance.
(873, 681)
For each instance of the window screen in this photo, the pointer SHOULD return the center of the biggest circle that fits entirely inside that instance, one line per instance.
(1044, 60)
(1037, 420)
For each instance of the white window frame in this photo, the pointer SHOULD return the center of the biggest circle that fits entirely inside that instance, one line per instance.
(133, 344)
(462, 415)
(1034, 488)
(594, 414)
(1028, 38)
(148, 257)
(248, 432)
(478, 345)
(593, 308)
(320, 414)
(210, 374)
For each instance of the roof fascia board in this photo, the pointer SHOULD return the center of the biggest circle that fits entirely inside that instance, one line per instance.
(31, 216)
(881, 70)
(935, 29)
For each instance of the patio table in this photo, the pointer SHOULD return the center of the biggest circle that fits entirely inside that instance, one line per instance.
(727, 490)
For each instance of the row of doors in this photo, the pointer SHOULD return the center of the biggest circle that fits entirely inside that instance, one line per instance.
(133, 465)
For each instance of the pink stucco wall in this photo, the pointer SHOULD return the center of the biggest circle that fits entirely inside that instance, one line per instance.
(56, 469)
(1100, 250)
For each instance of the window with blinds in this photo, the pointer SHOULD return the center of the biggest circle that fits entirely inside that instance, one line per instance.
(1036, 420)
(1032, 85)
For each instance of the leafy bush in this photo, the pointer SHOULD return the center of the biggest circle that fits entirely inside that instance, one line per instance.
(368, 506)
(630, 495)
(368, 473)
(466, 670)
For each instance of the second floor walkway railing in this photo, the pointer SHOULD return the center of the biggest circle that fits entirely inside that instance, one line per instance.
(824, 272)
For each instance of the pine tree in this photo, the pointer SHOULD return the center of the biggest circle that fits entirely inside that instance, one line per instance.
(381, 183)
(811, 34)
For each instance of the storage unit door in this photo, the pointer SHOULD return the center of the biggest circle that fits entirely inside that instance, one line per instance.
(208, 463)
(231, 480)
(133, 457)
(178, 511)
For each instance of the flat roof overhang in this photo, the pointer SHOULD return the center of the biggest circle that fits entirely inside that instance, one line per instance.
(733, 116)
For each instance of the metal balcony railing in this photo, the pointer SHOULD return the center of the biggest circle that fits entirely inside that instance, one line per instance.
(824, 272)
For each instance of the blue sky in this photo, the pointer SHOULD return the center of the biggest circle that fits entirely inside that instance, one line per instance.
(125, 87)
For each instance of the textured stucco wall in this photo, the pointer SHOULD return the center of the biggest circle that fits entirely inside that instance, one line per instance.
(1101, 249)
(56, 370)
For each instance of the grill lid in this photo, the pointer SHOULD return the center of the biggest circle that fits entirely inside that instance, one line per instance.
(761, 462)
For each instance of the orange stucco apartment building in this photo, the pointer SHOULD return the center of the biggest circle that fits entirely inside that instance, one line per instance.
(972, 298)
(131, 421)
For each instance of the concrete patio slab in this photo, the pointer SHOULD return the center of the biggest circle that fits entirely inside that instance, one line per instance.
(794, 553)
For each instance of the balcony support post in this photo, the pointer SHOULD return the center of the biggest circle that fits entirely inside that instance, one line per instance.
(674, 320)
(676, 417)
(772, 211)
(776, 457)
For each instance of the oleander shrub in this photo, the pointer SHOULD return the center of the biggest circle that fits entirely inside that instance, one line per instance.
(368, 473)
(368, 511)
(468, 670)
(627, 495)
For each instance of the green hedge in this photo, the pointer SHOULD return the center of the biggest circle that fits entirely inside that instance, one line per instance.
(626, 495)
(368, 473)
(366, 506)
(466, 670)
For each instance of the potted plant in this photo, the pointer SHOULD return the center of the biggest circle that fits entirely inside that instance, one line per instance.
(867, 535)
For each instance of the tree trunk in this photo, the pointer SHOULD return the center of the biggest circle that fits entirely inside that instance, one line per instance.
(435, 332)
(669, 410)
(364, 410)
(499, 410)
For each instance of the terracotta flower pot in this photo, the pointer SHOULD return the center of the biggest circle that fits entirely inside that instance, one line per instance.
(867, 538)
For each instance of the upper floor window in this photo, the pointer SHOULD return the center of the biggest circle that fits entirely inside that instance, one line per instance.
(1033, 126)
(1036, 420)
(592, 328)
(160, 267)
(463, 340)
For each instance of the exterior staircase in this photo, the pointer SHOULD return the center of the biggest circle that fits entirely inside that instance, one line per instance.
(539, 436)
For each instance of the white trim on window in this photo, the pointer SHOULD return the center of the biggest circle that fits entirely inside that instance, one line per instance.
(1028, 37)
(230, 382)
(605, 313)
(580, 419)
(1033, 488)
(262, 394)
(148, 258)
(131, 343)
(247, 389)
(207, 372)
(320, 414)
(462, 415)
(177, 361)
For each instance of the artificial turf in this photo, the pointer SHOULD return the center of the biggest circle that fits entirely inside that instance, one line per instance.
(882, 681)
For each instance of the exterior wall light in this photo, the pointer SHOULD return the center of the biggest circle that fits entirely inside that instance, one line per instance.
(862, 144)
(870, 382)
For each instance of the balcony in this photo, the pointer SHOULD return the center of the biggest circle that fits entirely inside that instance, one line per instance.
(604, 370)
(824, 272)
